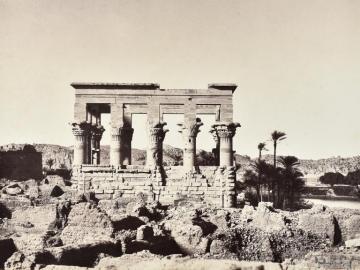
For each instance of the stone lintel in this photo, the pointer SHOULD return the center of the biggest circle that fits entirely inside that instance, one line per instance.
(223, 86)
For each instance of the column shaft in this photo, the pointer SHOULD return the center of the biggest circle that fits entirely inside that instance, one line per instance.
(120, 152)
(189, 152)
(115, 148)
(96, 135)
(226, 152)
(80, 132)
(216, 150)
(190, 131)
(156, 136)
(225, 132)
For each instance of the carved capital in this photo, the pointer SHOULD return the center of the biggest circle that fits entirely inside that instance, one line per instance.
(224, 130)
(191, 129)
(157, 132)
(122, 133)
(214, 135)
(80, 129)
(96, 132)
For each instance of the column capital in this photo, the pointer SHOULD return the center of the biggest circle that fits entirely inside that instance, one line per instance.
(124, 132)
(158, 132)
(214, 134)
(224, 130)
(97, 131)
(191, 129)
(80, 129)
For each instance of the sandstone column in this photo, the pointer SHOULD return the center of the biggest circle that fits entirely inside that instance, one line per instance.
(216, 150)
(226, 132)
(126, 138)
(96, 135)
(115, 147)
(88, 157)
(190, 131)
(120, 140)
(80, 132)
(155, 150)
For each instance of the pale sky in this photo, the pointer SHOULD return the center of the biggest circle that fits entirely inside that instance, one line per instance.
(296, 64)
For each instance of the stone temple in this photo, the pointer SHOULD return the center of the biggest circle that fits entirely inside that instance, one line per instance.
(167, 184)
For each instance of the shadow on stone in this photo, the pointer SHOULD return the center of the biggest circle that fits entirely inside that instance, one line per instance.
(4, 211)
(206, 227)
(7, 248)
(128, 223)
(163, 245)
(337, 233)
(56, 191)
(82, 255)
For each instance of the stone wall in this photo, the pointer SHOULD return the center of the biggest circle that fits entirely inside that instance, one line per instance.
(210, 184)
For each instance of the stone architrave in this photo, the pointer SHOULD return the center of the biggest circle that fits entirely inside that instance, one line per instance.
(155, 151)
(226, 132)
(120, 139)
(190, 132)
(96, 135)
(80, 131)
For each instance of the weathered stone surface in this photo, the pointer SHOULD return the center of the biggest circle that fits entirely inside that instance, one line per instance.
(18, 261)
(265, 218)
(79, 255)
(352, 227)
(353, 243)
(13, 190)
(63, 267)
(321, 223)
(217, 247)
(183, 264)
(30, 238)
(321, 260)
(190, 239)
(144, 232)
(86, 224)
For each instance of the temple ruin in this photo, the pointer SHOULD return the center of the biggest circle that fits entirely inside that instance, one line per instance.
(167, 184)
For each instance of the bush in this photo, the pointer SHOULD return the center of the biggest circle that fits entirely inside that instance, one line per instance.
(353, 178)
(344, 190)
(331, 178)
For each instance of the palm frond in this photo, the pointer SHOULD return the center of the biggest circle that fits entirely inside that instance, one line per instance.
(278, 135)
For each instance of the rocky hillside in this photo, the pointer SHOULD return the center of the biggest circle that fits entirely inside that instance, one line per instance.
(63, 156)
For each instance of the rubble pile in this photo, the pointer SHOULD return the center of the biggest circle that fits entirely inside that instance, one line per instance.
(79, 231)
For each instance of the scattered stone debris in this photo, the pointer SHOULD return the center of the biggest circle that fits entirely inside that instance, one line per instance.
(88, 234)
(353, 243)
(13, 190)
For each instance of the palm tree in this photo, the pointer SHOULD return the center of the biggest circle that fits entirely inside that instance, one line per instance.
(276, 137)
(293, 181)
(261, 147)
(251, 180)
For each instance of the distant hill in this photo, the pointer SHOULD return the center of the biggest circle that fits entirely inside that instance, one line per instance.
(63, 156)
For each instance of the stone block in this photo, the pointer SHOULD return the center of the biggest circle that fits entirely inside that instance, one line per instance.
(104, 196)
(198, 192)
(124, 187)
(352, 243)
(129, 191)
(196, 184)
